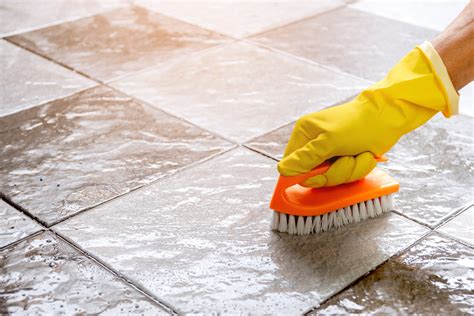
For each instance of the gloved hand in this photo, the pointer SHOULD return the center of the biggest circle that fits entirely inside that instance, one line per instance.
(413, 91)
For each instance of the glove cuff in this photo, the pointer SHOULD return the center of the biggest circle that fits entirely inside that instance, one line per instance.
(438, 67)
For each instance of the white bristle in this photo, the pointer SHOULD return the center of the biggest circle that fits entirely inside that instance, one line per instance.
(282, 225)
(377, 207)
(316, 224)
(275, 220)
(390, 202)
(308, 225)
(363, 211)
(291, 225)
(305, 225)
(355, 213)
(370, 208)
(324, 222)
(300, 225)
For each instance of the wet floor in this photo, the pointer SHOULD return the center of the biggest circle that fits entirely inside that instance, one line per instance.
(139, 148)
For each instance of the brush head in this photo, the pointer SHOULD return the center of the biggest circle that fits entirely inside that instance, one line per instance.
(302, 210)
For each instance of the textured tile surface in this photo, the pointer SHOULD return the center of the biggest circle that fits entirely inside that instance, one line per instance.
(240, 18)
(434, 165)
(239, 90)
(14, 225)
(44, 276)
(118, 42)
(435, 14)
(201, 242)
(351, 40)
(20, 15)
(73, 153)
(462, 226)
(28, 80)
(435, 276)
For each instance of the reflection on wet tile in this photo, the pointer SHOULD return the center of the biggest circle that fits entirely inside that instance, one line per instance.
(435, 276)
(19, 16)
(201, 241)
(353, 41)
(462, 226)
(45, 276)
(14, 225)
(71, 154)
(466, 101)
(434, 14)
(28, 80)
(434, 165)
(118, 42)
(240, 18)
(239, 90)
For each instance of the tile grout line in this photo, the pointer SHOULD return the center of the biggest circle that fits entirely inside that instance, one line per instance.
(169, 175)
(395, 255)
(444, 220)
(19, 241)
(116, 273)
(339, 6)
(56, 23)
(453, 238)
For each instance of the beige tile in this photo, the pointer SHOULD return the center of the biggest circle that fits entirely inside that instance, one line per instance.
(461, 226)
(434, 14)
(28, 80)
(240, 18)
(433, 277)
(353, 41)
(434, 165)
(22, 15)
(200, 240)
(14, 225)
(239, 90)
(44, 276)
(71, 154)
(118, 42)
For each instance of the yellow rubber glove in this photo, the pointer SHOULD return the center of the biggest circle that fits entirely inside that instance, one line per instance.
(413, 91)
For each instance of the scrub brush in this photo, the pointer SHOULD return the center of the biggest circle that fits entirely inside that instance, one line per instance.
(302, 211)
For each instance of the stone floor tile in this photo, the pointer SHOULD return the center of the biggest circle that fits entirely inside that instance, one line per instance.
(200, 240)
(240, 90)
(434, 14)
(20, 16)
(434, 164)
(113, 44)
(353, 41)
(14, 225)
(44, 276)
(240, 19)
(73, 153)
(28, 80)
(462, 226)
(273, 143)
(434, 277)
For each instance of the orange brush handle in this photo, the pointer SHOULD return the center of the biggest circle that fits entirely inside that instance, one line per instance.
(286, 182)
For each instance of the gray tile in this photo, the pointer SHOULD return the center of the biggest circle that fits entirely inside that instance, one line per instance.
(434, 165)
(44, 276)
(434, 14)
(240, 90)
(433, 277)
(14, 225)
(353, 41)
(73, 153)
(462, 226)
(28, 80)
(241, 18)
(20, 16)
(200, 240)
(118, 42)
